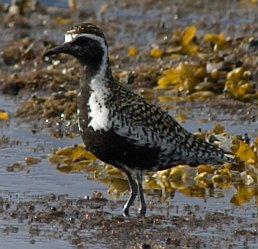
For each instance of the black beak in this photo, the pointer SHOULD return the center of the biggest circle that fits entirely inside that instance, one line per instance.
(64, 48)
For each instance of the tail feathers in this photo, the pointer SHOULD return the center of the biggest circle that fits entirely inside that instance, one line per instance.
(208, 153)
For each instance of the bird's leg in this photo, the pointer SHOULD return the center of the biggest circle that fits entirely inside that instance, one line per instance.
(133, 193)
(139, 178)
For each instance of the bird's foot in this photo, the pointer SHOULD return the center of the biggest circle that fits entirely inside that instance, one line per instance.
(126, 212)
(142, 211)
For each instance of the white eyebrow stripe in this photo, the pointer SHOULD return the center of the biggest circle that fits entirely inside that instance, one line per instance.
(68, 37)
(71, 37)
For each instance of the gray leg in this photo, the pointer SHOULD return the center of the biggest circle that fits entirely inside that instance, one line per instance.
(139, 177)
(133, 193)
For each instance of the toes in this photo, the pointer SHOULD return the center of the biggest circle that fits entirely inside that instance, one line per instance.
(142, 211)
(126, 212)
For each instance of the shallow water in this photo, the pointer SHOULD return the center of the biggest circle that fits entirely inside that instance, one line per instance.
(42, 179)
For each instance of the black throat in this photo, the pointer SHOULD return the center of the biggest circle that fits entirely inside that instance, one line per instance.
(93, 57)
(96, 69)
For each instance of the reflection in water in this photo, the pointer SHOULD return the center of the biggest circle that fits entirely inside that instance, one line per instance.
(192, 182)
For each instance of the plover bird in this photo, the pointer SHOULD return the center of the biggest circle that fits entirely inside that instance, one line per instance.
(120, 127)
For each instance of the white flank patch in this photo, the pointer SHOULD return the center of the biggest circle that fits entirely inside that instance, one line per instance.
(103, 66)
(98, 111)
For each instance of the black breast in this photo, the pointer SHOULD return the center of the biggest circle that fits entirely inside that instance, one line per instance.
(117, 151)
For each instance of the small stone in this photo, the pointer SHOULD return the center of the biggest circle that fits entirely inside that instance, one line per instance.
(145, 246)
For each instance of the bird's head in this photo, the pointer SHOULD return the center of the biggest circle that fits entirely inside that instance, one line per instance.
(87, 43)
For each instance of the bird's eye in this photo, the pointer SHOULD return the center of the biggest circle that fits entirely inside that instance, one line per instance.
(81, 40)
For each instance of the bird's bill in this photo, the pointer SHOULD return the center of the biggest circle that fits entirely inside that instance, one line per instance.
(64, 48)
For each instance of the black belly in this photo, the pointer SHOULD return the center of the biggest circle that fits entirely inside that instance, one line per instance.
(119, 152)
